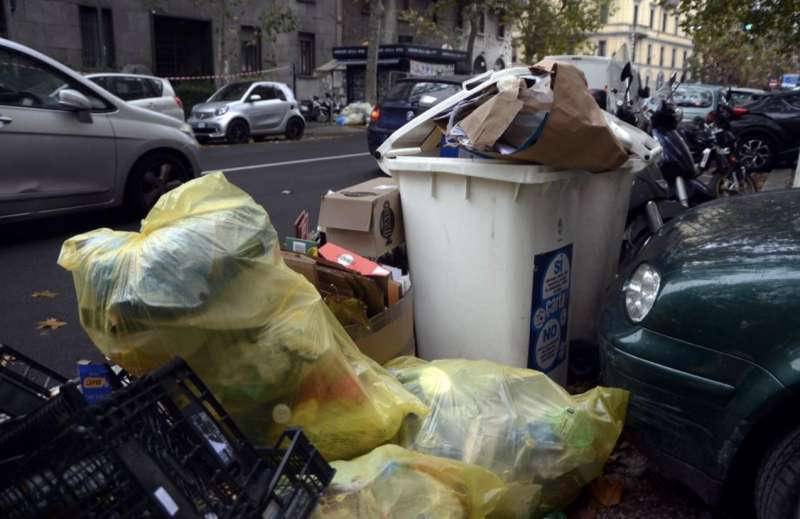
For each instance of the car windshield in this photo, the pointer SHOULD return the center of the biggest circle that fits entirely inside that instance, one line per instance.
(412, 92)
(743, 98)
(232, 92)
(692, 97)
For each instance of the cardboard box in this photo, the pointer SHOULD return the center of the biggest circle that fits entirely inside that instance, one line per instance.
(365, 218)
(302, 264)
(391, 333)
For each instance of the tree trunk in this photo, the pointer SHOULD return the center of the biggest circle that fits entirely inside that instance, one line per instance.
(389, 33)
(375, 15)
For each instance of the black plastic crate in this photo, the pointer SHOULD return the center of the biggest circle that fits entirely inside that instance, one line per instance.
(24, 384)
(162, 447)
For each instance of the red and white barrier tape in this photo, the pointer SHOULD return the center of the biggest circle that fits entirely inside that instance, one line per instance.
(227, 76)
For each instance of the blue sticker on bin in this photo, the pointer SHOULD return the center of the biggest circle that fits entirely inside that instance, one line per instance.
(549, 312)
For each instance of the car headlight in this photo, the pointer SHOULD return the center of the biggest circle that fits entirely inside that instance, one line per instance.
(641, 291)
(221, 111)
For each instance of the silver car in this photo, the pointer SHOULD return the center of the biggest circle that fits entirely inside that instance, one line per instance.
(153, 93)
(254, 108)
(68, 145)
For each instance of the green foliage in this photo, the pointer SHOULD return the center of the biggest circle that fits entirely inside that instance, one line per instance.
(275, 20)
(193, 92)
(557, 27)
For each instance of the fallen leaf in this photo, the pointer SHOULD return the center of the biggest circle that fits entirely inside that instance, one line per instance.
(51, 323)
(607, 491)
(48, 294)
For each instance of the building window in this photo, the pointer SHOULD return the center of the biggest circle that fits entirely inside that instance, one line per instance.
(649, 54)
(182, 47)
(684, 64)
(601, 48)
(482, 23)
(663, 21)
(97, 39)
(661, 56)
(405, 39)
(501, 26)
(499, 64)
(460, 15)
(672, 63)
(652, 17)
(677, 23)
(636, 14)
(307, 55)
(604, 13)
(250, 49)
(307, 1)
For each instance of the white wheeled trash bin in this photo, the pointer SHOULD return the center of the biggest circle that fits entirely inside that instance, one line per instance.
(509, 261)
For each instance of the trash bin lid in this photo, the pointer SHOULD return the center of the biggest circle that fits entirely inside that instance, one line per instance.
(408, 139)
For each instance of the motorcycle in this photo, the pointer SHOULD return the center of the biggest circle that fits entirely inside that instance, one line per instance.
(665, 189)
(713, 143)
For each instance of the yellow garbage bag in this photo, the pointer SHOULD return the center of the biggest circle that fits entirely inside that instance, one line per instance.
(397, 483)
(543, 442)
(204, 280)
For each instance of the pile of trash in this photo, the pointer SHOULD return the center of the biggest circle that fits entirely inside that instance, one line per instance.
(354, 114)
(205, 279)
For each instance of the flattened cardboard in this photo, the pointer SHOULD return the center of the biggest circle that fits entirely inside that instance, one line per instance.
(365, 218)
(390, 333)
(302, 264)
(575, 135)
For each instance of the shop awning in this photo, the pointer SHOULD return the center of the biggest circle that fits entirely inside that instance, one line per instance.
(331, 66)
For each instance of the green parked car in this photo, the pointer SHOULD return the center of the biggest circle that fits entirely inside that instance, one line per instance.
(704, 331)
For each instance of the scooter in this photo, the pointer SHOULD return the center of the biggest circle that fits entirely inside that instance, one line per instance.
(663, 190)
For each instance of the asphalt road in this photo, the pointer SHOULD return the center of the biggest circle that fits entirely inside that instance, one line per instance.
(285, 177)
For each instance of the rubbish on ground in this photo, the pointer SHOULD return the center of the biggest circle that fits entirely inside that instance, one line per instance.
(365, 218)
(47, 294)
(95, 381)
(123, 450)
(351, 261)
(543, 442)
(395, 482)
(301, 224)
(204, 279)
(389, 334)
(302, 246)
(51, 323)
(607, 490)
(548, 117)
(354, 114)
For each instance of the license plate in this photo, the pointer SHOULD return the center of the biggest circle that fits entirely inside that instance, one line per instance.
(201, 125)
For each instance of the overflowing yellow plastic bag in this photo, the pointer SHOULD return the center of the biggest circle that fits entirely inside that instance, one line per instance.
(543, 442)
(204, 280)
(397, 483)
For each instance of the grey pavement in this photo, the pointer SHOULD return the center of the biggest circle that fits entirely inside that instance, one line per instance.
(28, 250)
(778, 179)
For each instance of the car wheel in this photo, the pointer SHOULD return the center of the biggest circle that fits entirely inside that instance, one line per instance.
(757, 152)
(151, 177)
(722, 186)
(778, 480)
(238, 132)
(295, 128)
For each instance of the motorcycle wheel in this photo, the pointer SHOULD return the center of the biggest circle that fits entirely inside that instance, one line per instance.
(322, 116)
(721, 186)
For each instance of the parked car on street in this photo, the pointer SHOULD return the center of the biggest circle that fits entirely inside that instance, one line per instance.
(247, 109)
(408, 98)
(743, 96)
(66, 144)
(768, 130)
(703, 330)
(149, 92)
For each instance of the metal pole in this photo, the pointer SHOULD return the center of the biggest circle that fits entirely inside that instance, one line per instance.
(796, 179)
(294, 78)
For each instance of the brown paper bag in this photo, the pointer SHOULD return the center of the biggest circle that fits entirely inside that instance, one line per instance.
(575, 135)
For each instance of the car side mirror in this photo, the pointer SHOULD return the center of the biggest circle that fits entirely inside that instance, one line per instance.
(626, 72)
(253, 98)
(644, 93)
(74, 101)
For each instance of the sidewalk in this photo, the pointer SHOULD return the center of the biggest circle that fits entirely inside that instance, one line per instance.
(778, 179)
(314, 129)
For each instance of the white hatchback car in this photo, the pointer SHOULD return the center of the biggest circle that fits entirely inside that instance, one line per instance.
(153, 93)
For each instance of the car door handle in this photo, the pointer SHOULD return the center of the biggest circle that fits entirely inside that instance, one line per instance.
(5, 121)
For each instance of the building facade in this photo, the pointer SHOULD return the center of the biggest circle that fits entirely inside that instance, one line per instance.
(658, 45)
(221, 39)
